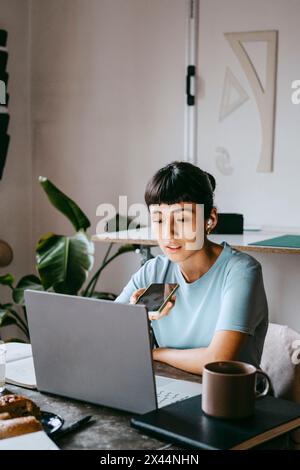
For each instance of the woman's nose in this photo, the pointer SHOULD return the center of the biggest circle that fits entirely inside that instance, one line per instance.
(170, 229)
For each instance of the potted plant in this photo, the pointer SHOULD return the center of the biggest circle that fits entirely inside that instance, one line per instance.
(63, 263)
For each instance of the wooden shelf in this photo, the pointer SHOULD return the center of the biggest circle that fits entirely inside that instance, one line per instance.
(241, 242)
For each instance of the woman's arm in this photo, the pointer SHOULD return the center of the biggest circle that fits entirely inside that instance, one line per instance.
(244, 306)
(225, 346)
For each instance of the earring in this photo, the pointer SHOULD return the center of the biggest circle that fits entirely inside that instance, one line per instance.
(208, 228)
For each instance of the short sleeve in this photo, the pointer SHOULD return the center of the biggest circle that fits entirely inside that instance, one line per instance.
(244, 304)
(137, 281)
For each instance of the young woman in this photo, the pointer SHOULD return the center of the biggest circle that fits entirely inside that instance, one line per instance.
(220, 310)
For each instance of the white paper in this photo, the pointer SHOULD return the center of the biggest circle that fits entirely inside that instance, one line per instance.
(21, 373)
(31, 441)
(19, 365)
(16, 351)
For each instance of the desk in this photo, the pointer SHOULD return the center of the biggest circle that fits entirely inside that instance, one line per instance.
(144, 237)
(111, 428)
(280, 265)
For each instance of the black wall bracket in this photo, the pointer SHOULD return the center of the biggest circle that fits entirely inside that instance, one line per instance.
(191, 74)
(4, 115)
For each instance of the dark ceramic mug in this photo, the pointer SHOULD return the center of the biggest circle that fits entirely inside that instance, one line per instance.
(229, 389)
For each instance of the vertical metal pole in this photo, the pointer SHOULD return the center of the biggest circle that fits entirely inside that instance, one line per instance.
(190, 121)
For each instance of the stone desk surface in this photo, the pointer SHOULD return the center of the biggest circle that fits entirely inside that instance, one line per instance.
(110, 428)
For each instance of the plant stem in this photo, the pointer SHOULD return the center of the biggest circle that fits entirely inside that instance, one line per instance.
(95, 277)
(25, 313)
(17, 316)
(88, 292)
(25, 331)
(19, 322)
(93, 286)
(107, 253)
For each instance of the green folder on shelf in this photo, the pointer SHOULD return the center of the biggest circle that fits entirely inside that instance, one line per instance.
(283, 241)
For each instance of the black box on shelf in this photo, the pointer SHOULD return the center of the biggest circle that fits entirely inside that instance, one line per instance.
(4, 142)
(4, 120)
(4, 77)
(3, 60)
(229, 223)
(3, 38)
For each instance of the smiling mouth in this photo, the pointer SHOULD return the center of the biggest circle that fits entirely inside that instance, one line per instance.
(173, 248)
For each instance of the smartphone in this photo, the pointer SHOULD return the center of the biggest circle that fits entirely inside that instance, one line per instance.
(156, 296)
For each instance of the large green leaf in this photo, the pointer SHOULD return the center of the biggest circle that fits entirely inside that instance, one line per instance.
(27, 282)
(65, 205)
(7, 280)
(63, 262)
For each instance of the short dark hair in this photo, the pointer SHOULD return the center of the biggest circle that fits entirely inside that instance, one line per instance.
(181, 181)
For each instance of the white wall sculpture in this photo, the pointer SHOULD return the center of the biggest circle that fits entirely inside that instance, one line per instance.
(265, 95)
(233, 96)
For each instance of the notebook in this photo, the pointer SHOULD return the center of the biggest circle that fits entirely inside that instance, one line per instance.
(19, 365)
(184, 423)
(283, 241)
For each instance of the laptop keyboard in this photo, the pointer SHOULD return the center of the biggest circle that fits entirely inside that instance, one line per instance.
(166, 397)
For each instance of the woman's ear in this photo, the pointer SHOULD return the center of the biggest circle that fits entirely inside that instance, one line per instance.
(212, 220)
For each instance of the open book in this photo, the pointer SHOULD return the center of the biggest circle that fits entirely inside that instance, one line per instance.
(19, 365)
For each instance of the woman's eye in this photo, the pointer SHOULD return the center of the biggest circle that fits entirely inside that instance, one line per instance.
(157, 221)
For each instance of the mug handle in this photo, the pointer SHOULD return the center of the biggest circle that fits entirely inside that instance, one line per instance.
(268, 385)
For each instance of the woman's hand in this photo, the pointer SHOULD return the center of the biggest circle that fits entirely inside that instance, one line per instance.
(165, 311)
(154, 315)
(135, 296)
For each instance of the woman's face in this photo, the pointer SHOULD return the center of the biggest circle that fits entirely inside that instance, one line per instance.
(178, 228)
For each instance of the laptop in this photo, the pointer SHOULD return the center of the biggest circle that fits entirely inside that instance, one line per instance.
(98, 351)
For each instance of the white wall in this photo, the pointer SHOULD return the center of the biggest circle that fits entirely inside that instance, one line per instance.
(263, 198)
(107, 104)
(282, 279)
(15, 186)
(107, 112)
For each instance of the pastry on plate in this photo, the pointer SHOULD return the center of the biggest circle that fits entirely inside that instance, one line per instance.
(17, 426)
(18, 406)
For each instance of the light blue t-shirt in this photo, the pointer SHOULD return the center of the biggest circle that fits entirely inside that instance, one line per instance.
(229, 296)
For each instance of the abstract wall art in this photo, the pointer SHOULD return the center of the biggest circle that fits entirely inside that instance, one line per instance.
(264, 91)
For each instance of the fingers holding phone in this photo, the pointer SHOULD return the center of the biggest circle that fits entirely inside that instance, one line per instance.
(159, 299)
(135, 296)
(165, 311)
